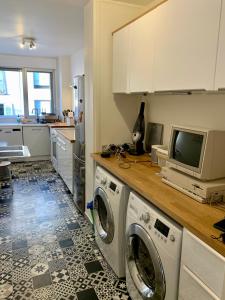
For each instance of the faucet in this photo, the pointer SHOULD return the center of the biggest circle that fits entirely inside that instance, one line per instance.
(36, 114)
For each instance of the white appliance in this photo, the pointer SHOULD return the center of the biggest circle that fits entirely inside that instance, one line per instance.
(153, 251)
(110, 206)
(79, 146)
(11, 135)
(202, 191)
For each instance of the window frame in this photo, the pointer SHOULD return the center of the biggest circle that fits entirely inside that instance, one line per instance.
(24, 71)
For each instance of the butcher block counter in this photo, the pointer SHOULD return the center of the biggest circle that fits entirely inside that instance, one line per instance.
(142, 177)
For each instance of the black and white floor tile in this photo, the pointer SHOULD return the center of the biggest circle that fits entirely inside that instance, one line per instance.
(47, 248)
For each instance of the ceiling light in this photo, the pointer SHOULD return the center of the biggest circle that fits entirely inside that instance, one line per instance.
(28, 43)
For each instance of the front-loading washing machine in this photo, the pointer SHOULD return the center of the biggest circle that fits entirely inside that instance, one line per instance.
(153, 251)
(109, 212)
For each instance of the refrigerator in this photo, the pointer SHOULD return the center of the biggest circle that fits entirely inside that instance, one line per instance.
(79, 145)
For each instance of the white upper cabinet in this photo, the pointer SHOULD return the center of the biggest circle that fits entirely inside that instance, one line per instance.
(121, 41)
(186, 44)
(220, 67)
(141, 56)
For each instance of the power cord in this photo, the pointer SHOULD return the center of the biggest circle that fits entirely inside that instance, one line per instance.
(220, 238)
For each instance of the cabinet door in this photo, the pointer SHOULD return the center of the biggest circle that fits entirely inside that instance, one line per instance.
(191, 288)
(142, 33)
(220, 67)
(121, 42)
(186, 44)
(37, 139)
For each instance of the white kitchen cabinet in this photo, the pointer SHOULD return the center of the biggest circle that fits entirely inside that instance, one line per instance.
(11, 135)
(37, 138)
(220, 66)
(186, 44)
(64, 153)
(121, 44)
(141, 53)
(202, 274)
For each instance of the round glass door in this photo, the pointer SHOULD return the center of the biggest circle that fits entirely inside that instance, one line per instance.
(103, 216)
(144, 264)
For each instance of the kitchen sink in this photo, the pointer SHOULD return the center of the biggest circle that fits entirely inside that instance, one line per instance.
(9, 148)
(9, 154)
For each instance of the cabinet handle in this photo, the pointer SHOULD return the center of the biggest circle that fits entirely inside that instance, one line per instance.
(36, 129)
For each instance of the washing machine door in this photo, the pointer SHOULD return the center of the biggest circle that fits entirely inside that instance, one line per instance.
(103, 216)
(144, 264)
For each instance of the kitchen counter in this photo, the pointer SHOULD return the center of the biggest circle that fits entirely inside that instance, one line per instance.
(142, 177)
(50, 125)
(60, 125)
(69, 134)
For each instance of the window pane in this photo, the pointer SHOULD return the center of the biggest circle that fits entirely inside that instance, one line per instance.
(11, 93)
(39, 92)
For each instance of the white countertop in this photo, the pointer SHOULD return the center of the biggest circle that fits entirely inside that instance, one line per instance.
(21, 124)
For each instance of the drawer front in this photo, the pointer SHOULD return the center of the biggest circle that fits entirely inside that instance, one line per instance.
(204, 262)
(192, 288)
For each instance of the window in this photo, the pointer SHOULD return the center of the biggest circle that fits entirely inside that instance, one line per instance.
(11, 92)
(41, 80)
(25, 92)
(39, 92)
(3, 84)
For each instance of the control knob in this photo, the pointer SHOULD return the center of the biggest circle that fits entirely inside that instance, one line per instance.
(172, 238)
(146, 217)
(103, 181)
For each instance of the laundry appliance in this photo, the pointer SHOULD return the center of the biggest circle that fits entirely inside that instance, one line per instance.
(153, 251)
(109, 211)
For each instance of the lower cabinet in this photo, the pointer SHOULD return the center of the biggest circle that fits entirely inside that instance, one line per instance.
(64, 152)
(202, 274)
(37, 139)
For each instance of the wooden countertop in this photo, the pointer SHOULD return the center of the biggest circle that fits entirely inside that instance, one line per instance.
(59, 125)
(69, 134)
(141, 177)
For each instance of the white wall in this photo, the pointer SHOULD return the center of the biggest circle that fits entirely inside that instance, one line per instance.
(108, 120)
(13, 61)
(65, 81)
(77, 63)
(204, 110)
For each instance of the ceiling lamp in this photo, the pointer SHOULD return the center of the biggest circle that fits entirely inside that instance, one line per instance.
(28, 43)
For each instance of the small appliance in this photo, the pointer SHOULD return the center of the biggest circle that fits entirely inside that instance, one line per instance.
(138, 133)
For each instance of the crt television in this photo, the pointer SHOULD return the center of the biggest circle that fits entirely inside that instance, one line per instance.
(197, 152)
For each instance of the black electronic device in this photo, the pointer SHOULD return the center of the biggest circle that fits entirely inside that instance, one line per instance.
(106, 154)
(154, 135)
(138, 133)
(220, 225)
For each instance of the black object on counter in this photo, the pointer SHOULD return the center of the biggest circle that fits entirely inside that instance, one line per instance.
(138, 133)
(220, 225)
(106, 154)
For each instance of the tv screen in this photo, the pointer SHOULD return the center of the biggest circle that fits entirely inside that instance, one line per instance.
(187, 147)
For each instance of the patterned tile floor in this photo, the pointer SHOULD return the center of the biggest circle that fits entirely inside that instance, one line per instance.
(47, 248)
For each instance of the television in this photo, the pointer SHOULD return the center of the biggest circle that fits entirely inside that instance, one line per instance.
(197, 152)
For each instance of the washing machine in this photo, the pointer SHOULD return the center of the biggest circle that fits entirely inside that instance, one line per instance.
(153, 251)
(109, 212)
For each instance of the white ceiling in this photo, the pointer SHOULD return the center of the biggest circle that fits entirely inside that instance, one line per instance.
(57, 25)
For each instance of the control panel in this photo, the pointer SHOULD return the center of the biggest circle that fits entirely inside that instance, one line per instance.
(107, 183)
